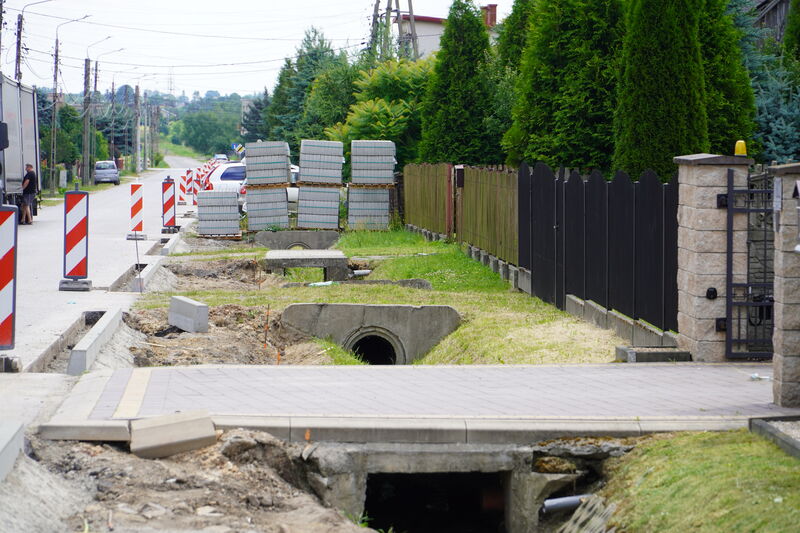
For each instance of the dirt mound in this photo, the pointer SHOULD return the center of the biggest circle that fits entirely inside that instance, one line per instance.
(248, 481)
(236, 335)
(228, 274)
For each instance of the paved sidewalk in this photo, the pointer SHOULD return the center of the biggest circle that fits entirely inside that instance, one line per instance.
(44, 313)
(498, 404)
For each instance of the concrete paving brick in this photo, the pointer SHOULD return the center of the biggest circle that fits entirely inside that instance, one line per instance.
(167, 435)
(11, 440)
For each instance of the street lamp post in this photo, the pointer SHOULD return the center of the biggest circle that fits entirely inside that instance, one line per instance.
(54, 125)
(18, 71)
(87, 103)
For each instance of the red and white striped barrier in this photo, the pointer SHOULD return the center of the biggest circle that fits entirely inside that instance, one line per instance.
(137, 203)
(168, 203)
(76, 235)
(182, 190)
(8, 275)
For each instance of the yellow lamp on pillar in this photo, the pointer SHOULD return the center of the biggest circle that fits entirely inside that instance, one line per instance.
(741, 149)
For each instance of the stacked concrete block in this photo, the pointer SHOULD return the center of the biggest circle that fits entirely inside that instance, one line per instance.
(368, 208)
(320, 177)
(321, 162)
(372, 172)
(318, 207)
(218, 213)
(373, 162)
(267, 163)
(267, 208)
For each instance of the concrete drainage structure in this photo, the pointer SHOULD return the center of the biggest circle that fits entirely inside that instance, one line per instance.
(381, 334)
(286, 240)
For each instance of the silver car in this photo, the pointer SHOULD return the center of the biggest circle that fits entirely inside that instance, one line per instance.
(106, 171)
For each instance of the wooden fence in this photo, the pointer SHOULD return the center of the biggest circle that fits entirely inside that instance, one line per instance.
(428, 197)
(487, 212)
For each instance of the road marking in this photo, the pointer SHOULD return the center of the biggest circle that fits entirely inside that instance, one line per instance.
(132, 398)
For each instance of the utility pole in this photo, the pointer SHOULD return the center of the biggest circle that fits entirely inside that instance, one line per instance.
(113, 139)
(2, 20)
(54, 125)
(87, 99)
(373, 39)
(414, 42)
(18, 70)
(401, 39)
(137, 118)
(92, 119)
(387, 31)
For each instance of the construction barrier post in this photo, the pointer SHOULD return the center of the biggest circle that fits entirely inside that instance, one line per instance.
(182, 190)
(76, 242)
(137, 215)
(9, 217)
(168, 206)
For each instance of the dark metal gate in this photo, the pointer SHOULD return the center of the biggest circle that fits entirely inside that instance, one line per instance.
(749, 301)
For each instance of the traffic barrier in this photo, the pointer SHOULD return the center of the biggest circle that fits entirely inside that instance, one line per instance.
(182, 190)
(137, 213)
(168, 203)
(9, 216)
(76, 242)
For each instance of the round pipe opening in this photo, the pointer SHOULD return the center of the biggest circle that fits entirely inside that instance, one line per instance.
(375, 350)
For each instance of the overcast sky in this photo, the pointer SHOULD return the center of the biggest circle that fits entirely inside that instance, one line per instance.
(235, 46)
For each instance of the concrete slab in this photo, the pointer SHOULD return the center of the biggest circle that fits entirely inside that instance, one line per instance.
(513, 277)
(167, 435)
(477, 404)
(525, 281)
(140, 281)
(82, 356)
(11, 441)
(334, 262)
(187, 314)
(574, 306)
(75, 285)
(171, 244)
(410, 330)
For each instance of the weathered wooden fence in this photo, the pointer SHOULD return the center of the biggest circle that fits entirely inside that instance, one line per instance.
(428, 197)
(487, 215)
(614, 243)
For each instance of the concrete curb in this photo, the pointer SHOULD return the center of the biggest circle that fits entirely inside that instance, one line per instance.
(12, 436)
(171, 243)
(84, 353)
(139, 283)
(762, 426)
(72, 419)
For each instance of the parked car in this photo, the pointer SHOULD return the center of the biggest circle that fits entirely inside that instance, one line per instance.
(106, 171)
(228, 177)
(220, 157)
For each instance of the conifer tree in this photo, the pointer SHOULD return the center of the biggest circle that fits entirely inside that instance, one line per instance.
(566, 91)
(791, 35)
(279, 124)
(730, 104)
(661, 108)
(457, 97)
(254, 121)
(513, 35)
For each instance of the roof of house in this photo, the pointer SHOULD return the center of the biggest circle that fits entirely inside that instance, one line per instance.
(423, 18)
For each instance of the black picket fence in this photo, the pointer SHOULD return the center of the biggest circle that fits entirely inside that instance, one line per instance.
(612, 242)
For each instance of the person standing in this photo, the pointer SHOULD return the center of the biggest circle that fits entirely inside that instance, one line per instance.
(28, 194)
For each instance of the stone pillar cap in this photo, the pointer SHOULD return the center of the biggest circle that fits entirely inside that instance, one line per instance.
(712, 159)
(781, 170)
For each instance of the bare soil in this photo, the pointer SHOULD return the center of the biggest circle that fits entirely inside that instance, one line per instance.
(247, 482)
(236, 335)
(228, 274)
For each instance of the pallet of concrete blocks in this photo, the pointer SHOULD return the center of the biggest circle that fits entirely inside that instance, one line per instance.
(218, 213)
(318, 207)
(372, 162)
(321, 161)
(267, 163)
(267, 208)
(367, 208)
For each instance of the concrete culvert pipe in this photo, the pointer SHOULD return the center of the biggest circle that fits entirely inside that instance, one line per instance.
(375, 350)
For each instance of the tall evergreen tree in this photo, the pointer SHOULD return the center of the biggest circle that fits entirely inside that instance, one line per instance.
(566, 92)
(513, 34)
(279, 125)
(254, 121)
(791, 35)
(457, 97)
(330, 97)
(661, 109)
(730, 104)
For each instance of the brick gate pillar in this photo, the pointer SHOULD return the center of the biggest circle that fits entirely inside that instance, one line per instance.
(786, 336)
(702, 246)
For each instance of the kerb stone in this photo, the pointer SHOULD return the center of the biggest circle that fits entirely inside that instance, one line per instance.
(163, 436)
(188, 315)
